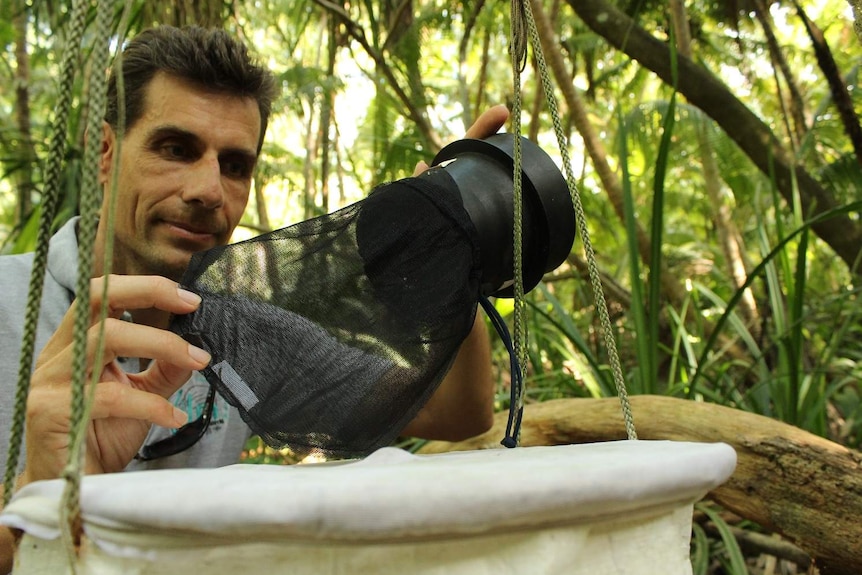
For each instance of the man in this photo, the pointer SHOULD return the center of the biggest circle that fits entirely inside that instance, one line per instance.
(197, 108)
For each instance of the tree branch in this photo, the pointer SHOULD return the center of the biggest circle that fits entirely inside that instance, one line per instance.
(415, 114)
(753, 136)
(840, 95)
(756, 543)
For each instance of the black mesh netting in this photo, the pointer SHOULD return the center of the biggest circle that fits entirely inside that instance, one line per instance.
(331, 334)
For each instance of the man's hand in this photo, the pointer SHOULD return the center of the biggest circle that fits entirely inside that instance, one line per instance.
(488, 124)
(125, 404)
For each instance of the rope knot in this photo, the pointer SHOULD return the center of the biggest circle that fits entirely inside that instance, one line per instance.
(519, 40)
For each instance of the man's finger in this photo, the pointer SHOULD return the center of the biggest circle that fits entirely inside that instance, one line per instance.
(161, 378)
(142, 292)
(117, 400)
(489, 123)
(124, 293)
(124, 339)
(421, 166)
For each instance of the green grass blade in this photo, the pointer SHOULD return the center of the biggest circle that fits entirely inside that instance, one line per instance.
(699, 551)
(796, 339)
(644, 347)
(657, 224)
(734, 553)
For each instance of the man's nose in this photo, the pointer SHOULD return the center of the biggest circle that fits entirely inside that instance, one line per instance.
(204, 184)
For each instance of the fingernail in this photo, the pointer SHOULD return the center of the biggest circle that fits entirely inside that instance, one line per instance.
(188, 296)
(199, 355)
(180, 417)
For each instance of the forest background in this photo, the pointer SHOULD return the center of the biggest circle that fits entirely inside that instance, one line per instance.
(716, 145)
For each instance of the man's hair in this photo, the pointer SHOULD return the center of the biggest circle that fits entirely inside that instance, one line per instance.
(210, 58)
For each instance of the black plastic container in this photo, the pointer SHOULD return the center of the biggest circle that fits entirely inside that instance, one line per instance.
(481, 172)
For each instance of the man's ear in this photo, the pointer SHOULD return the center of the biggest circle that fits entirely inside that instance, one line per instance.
(106, 159)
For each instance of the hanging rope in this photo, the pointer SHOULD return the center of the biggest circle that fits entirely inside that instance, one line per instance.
(524, 23)
(50, 199)
(518, 53)
(91, 200)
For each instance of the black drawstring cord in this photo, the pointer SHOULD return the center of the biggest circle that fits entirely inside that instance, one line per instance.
(516, 412)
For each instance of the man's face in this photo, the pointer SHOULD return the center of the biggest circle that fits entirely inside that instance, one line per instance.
(184, 176)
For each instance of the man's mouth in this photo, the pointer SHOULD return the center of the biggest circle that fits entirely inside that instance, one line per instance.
(193, 233)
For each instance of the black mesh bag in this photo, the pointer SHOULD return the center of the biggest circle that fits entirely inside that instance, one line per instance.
(331, 334)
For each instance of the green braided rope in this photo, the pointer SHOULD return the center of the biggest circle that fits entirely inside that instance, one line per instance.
(595, 280)
(90, 203)
(518, 52)
(50, 200)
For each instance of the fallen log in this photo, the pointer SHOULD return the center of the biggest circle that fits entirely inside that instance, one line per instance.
(787, 480)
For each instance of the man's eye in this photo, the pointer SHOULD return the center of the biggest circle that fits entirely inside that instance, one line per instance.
(236, 168)
(174, 150)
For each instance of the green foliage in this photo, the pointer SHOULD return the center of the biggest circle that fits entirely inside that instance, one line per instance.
(581, 371)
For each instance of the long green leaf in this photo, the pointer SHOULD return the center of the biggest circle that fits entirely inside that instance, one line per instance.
(734, 553)
(644, 346)
(657, 228)
(700, 550)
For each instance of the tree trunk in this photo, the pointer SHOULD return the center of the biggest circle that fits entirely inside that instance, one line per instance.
(27, 151)
(326, 110)
(483, 74)
(857, 17)
(463, 48)
(309, 190)
(416, 114)
(805, 487)
(842, 233)
(795, 103)
(837, 87)
(721, 213)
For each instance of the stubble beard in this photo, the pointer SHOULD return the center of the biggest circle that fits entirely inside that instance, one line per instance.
(153, 259)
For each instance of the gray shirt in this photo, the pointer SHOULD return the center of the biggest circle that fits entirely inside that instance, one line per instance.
(227, 433)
